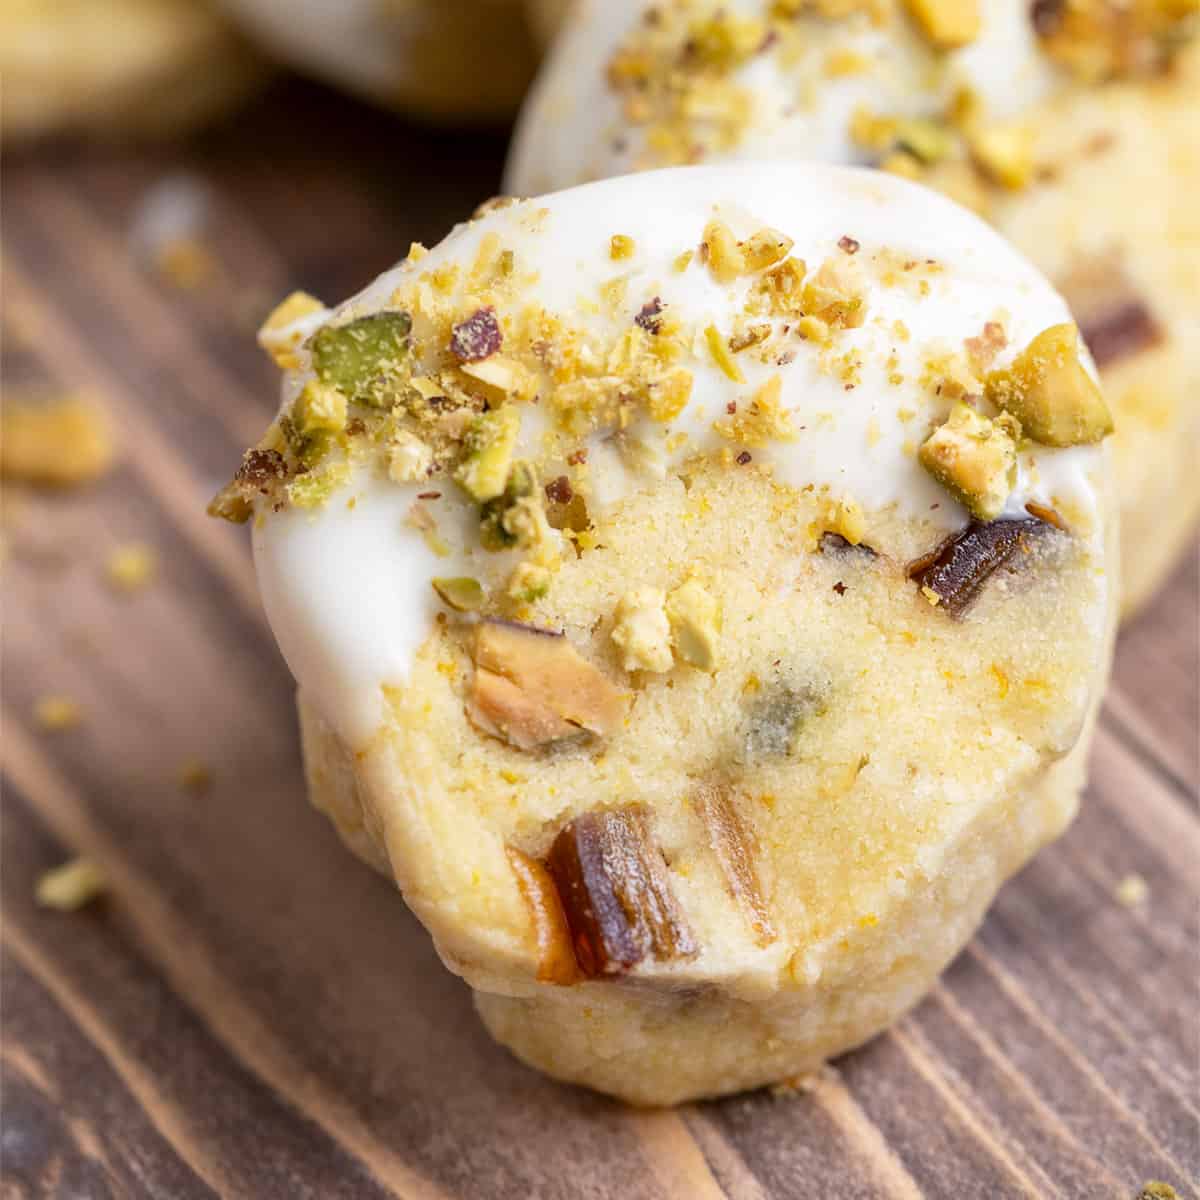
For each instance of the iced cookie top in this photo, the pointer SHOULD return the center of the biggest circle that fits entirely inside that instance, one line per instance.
(450, 434)
(910, 84)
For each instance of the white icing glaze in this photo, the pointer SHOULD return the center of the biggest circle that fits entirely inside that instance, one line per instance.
(347, 588)
(572, 128)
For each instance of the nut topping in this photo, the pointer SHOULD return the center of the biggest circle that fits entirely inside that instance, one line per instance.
(532, 687)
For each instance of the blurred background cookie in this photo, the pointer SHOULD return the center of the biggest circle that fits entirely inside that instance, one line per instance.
(117, 68)
(1070, 124)
(452, 61)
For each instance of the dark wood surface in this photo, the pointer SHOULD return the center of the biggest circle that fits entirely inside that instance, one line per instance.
(250, 1012)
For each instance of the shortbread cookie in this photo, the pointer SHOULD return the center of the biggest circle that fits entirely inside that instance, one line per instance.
(123, 68)
(468, 59)
(700, 588)
(1072, 125)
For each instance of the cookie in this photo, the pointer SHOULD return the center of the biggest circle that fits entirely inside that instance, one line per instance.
(126, 68)
(1071, 126)
(470, 60)
(699, 587)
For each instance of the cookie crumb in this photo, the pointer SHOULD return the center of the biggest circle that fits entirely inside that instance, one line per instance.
(1132, 891)
(195, 776)
(131, 567)
(57, 442)
(71, 886)
(55, 713)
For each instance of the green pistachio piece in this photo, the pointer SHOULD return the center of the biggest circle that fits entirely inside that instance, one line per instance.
(930, 141)
(490, 443)
(974, 459)
(362, 359)
(313, 488)
(461, 593)
(506, 520)
(1050, 392)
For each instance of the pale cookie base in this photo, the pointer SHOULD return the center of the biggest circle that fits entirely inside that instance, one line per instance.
(663, 1049)
(875, 870)
(125, 68)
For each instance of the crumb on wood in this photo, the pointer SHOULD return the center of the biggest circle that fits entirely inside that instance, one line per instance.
(131, 567)
(1132, 891)
(195, 776)
(54, 713)
(59, 441)
(71, 886)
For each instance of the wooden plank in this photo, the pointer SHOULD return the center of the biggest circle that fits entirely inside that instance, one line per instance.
(253, 1013)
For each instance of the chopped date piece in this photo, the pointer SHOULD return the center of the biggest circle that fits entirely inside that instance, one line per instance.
(957, 570)
(648, 318)
(743, 458)
(1046, 15)
(559, 490)
(735, 849)
(552, 936)
(261, 468)
(848, 244)
(1120, 332)
(476, 338)
(1114, 321)
(613, 884)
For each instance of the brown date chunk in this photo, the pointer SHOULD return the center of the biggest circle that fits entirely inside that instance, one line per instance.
(615, 891)
(735, 849)
(957, 570)
(1114, 321)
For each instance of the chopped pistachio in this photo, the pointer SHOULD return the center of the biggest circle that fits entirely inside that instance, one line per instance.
(719, 349)
(695, 624)
(409, 458)
(363, 358)
(529, 582)
(516, 517)
(313, 488)
(501, 378)
(640, 456)
(642, 631)
(461, 593)
(946, 24)
(490, 443)
(319, 409)
(761, 420)
(532, 686)
(58, 443)
(724, 254)
(273, 335)
(669, 395)
(1050, 392)
(727, 39)
(620, 246)
(835, 293)
(765, 248)
(71, 886)
(974, 459)
(927, 140)
(1004, 152)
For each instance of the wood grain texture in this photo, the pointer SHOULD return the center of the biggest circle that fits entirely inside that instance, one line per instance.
(251, 1013)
